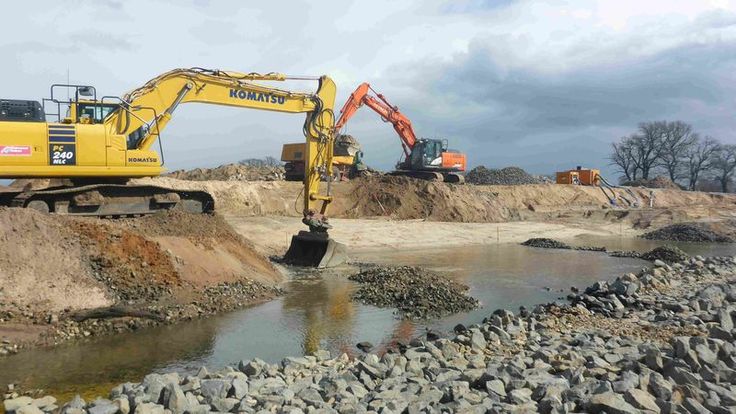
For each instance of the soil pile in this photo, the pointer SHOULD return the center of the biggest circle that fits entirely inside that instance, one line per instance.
(231, 172)
(409, 198)
(667, 254)
(415, 292)
(169, 266)
(506, 176)
(656, 182)
(689, 232)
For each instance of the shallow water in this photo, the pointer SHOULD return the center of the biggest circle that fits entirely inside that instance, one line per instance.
(317, 313)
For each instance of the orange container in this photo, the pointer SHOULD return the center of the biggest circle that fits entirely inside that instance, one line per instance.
(581, 176)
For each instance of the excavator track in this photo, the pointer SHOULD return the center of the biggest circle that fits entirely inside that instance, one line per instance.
(448, 177)
(422, 175)
(109, 200)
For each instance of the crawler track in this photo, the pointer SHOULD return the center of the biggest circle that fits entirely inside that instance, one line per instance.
(109, 200)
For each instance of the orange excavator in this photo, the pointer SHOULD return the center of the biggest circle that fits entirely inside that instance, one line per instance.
(424, 158)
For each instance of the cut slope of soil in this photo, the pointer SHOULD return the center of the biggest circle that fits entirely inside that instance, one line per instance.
(169, 266)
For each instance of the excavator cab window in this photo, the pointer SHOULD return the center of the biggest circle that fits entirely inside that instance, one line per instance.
(96, 112)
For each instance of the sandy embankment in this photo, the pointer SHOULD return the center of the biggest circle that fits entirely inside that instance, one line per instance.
(394, 212)
(164, 267)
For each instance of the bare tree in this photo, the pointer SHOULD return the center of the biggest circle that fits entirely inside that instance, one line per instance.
(677, 140)
(647, 146)
(699, 158)
(623, 158)
(724, 164)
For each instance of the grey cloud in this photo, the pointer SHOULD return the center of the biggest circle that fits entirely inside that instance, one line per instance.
(545, 121)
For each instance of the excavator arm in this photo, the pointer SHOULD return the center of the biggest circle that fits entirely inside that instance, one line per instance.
(146, 111)
(389, 113)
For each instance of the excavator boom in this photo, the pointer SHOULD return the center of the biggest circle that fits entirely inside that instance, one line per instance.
(423, 158)
(389, 113)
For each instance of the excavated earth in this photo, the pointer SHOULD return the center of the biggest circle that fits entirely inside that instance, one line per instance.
(403, 198)
(65, 277)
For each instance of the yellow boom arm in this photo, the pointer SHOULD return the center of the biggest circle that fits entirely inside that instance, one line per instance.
(147, 110)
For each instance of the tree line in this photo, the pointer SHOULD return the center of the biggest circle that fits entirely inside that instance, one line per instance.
(675, 150)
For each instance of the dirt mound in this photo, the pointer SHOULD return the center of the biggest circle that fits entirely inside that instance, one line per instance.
(656, 182)
(174, 264)
(409, 198)
(667, 254)
(231, 172)
(43, 265)
(505, 176)
(689, 232)
(415, 292)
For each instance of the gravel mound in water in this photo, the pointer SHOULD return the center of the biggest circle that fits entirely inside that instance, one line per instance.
(415, 292)
(546, 243)
(688, 232)
(667, 254)
(505, 176)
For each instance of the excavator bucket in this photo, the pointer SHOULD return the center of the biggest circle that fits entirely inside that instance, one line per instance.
(315, 250)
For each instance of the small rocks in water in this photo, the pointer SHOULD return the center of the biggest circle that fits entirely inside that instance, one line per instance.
(415, 292)
(364, 346)
(546, 243)
(667, 254)
(689, 232)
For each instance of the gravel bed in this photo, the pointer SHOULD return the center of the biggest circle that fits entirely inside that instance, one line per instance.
(660, 341)
(414, 292)
(669, 254)
(688, 232)
(505, 176)
(545, 243)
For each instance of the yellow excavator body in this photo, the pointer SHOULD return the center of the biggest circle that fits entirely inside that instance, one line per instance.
(99, 143)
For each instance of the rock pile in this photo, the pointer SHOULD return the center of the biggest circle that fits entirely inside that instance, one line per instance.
(545, 243)
(416, 293)
(505, 176)
(688, 232)
(656, 182)
(660, 341)
(668, 254)
(231, 172)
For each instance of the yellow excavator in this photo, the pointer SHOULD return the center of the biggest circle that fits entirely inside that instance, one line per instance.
(101, 142)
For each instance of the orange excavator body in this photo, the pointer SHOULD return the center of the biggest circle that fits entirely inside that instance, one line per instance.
(420, 154)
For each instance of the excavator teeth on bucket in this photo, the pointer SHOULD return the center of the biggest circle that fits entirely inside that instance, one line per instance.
(315, 250)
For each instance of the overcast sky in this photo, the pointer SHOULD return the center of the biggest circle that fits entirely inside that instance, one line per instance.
(545, 85)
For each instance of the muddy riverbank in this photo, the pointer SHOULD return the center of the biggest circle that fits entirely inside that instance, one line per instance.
(656, 340)
(67, 278)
